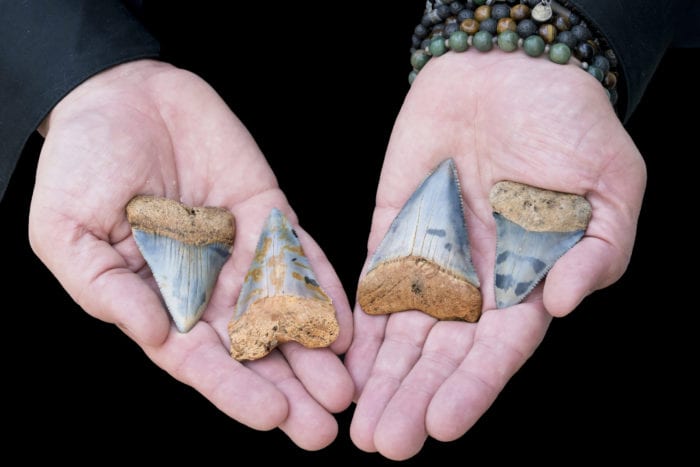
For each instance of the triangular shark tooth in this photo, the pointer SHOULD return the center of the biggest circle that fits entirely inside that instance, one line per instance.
(424, 261)
(185, 247)
(280, 300)
(535, 227)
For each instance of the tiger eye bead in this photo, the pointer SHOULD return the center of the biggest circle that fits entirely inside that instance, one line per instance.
(470, 26)
(610, 80)
(584, 51)
(506, 24)
(562, 23)
(548, 32)
(520, 12)
(483, 41)
(483, 12)
(500, 10)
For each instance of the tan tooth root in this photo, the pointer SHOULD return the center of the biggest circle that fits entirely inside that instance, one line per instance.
(271, 321)
(414, 283)
(192, 225)
(539, 210)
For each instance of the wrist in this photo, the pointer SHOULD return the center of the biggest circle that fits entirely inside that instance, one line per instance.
(535, 28)
(104, 88)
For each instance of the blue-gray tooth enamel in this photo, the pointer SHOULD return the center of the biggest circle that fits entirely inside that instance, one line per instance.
(281, 299)
(185, 248)
(535, 227)
(424, 261)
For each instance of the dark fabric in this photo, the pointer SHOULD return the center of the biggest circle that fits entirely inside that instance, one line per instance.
(640, 32)
(50, 47)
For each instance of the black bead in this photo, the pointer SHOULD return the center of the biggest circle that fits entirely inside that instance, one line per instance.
(512, 2)
(425, 44)
(416, 41)
(533, 3)
(443, 11)
(613, 96)
(449, 29)
(426, 21)
(465, 14)
(456, 7)
(584, 51)
(612, 58)
(526, 28)
(574, 19)
(420, 31)
(601, 62)
(568, 38)
(581, 32)
(500, 10)
(489, 24)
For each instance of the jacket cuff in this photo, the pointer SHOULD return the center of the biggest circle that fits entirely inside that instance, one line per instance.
(639, 33)
(49, 48)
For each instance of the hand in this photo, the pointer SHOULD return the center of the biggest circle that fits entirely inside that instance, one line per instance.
(501, 117)
(146, 127)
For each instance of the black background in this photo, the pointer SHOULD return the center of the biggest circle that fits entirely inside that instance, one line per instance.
(319, 90)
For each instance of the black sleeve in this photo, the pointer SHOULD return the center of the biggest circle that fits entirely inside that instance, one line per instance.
(50, 47)
(639, 32)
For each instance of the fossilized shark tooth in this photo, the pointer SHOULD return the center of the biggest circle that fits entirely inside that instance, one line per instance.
(185, 247)
(424, 261)
(280, 300)
(535, 227)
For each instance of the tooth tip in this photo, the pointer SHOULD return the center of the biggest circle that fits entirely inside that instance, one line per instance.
(429, 230)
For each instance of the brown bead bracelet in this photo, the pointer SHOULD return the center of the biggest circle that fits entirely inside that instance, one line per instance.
(537, 26)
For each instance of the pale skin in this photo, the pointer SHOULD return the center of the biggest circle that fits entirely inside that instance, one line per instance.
(146, 127)
(501, 117)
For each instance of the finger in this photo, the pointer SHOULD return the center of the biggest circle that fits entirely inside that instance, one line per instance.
(308, 424)
(198, 359)
(401, 431)
(590, 265)
(406, 332)
(367, 339)
(322, 374)
(98, 279)
(504, 340)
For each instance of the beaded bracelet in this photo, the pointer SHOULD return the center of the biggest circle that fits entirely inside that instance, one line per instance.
(537, 26)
